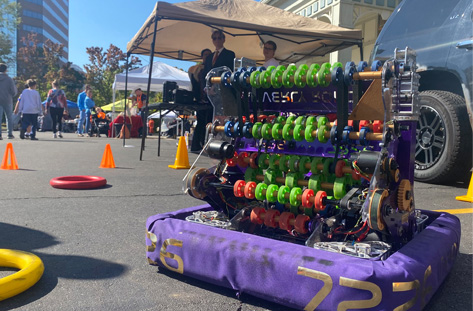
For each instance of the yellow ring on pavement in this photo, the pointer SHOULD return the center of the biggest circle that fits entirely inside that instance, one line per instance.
(31, 269)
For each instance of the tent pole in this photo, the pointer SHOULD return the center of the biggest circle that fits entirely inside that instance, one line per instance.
(113, 109)
(361, 51)
(126, 95)
(151, 60)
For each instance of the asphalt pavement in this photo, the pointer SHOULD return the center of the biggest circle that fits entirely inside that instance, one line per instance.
(92, 242)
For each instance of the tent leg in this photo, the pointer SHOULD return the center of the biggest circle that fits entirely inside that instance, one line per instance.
(159, 133)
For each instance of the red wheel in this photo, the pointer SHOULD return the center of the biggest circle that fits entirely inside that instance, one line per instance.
(354, 175)
(249, 190)
(257, 215)
(253, 162)
(286, 220)
(252, 118)
(319, 200)
(377, 126)
(261, 118)
(238, 188)
(362, 124)
(270, 218)
(78, 182)
(241, 159)
(350, 123)
(339, 168)
(300, 223)
(233, 161)
(308, 193)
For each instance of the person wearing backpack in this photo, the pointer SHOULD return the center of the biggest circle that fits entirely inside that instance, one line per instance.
(57, 104)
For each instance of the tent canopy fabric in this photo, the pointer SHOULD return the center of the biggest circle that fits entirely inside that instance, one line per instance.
(184, 29)
(138, 78)
(116, 106)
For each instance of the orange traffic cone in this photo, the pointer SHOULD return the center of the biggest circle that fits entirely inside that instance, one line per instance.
(13, 164)
(469, 194)
(107, 159)
(182, 159)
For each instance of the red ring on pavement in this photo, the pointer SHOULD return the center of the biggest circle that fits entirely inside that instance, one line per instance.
(78, 182)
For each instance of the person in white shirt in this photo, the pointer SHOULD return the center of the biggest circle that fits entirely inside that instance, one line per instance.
(269, 49)
(30, 107)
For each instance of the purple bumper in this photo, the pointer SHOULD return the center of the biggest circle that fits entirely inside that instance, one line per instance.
(301, 277)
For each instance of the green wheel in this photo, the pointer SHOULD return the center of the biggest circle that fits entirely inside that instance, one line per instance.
(286, 131)
(302, 165)
(339, 188)
(291, 119)
(276, 76)
(322, 74)
(250, 174)
(282, 194)
(321, 134)
(262, 161)
(322, 120)
(266, 131)
(300, 120)
(272, 161)
(284, 163)
(312, 75)
(298, 132)
(254, 79)
(256, 129)
(270, 196)
(291, 179)
(327, 167)
(270, 176)
(299, 77)
(276, 131)
(295, 192)
(286, 76)
(315, 182)
(293, 162)
(265, 77)
(311, 120)
(337, 64)
(313, 165)
(281, 119)
(259, 191)
(308, 133)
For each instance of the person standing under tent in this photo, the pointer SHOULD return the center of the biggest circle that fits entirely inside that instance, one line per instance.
(203, 115)
(139, 100)
(89, 106)
(57, 104)
(221, 56)
(269, 49)
(30, 107)
(81, 104)
(7, 91)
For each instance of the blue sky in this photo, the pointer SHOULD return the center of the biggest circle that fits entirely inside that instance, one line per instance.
(101, 23)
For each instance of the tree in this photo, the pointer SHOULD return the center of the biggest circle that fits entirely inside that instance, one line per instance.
(72, 81)
(9, 19)
(103, 67)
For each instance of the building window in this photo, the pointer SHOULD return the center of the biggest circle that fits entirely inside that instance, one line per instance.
(380, 2)
(322, 4)
(39, 2)
(32, 29)
(391, 3)
(329, 2)
(309, 10)
(369, 1)
(32, 14)
(357, 0)
(302, 12)
(315, 7)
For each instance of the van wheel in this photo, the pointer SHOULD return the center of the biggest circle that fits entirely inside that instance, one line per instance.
(443, 149)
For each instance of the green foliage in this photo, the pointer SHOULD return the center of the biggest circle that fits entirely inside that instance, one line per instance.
(9, 19)
(103, 67)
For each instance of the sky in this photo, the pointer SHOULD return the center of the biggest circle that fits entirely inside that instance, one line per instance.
(104, 22)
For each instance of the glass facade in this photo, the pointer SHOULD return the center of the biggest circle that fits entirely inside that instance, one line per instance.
(49, 19)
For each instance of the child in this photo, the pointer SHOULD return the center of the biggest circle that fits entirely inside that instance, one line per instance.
(30, 107)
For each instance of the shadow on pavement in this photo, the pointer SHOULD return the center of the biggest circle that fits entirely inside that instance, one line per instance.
(55, 266)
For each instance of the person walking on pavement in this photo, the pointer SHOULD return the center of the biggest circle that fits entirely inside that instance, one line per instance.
(89, 106)
(30, 107)
(81, 104)
(7, 91)
(57, 104)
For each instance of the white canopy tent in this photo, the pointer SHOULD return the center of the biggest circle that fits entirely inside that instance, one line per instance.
(161, 72)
